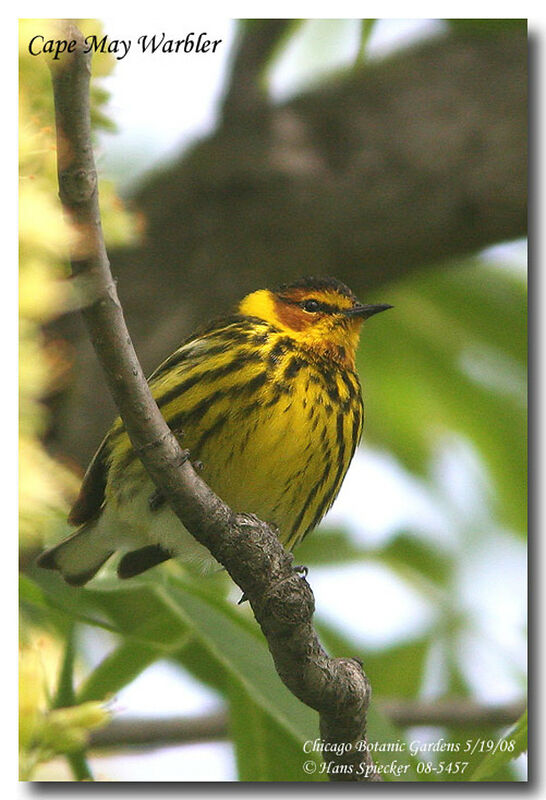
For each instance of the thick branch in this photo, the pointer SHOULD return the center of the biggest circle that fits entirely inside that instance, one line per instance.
(282, 601)
(245, 96)
(384, 169)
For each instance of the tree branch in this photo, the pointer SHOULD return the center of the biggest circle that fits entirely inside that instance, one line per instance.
(245, 101)
(282, 600)
(368, 175)
(451, 713)
(146, 732)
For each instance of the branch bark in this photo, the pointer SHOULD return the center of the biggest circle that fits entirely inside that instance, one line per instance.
(281, 599)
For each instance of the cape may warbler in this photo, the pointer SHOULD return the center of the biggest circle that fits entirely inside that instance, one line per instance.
(268, 400)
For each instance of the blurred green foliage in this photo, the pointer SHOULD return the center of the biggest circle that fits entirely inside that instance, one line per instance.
(487, 27)
(452, 360)
(450, 363)
(48, 727)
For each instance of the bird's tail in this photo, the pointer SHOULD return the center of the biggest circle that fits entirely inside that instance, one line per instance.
(80, 556)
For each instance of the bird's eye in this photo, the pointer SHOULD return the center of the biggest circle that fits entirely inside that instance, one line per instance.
(310, 305)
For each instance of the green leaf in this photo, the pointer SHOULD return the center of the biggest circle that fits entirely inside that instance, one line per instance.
(218, 643)
(48, 598)
(242, 653)
(150, 630)
(510, 746)
(143, 613)
(407, 553)
(269, 724)
(64, 695)
(395, 671)
(398, 671)
(263, 751)
(117, 670)
(329, 546)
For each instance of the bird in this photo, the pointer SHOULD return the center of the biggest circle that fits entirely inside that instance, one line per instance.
(268, 403)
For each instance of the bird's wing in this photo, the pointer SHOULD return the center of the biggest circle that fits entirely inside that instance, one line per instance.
(92, 492)
(91, 497)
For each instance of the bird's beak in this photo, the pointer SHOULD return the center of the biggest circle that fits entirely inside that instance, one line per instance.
(365, 311)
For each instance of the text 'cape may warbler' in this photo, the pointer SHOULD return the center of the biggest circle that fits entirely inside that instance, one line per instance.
(268, 400)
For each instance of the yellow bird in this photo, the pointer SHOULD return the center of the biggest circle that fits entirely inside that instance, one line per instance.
(268, 400)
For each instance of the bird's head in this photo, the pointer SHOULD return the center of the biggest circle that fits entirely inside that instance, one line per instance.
(321, 314)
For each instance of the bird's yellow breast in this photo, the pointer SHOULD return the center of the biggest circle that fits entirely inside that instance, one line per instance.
(274, 427)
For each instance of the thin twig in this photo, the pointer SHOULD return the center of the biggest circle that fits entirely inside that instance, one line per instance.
(162, 731)
(249, 549)
(451, 713)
